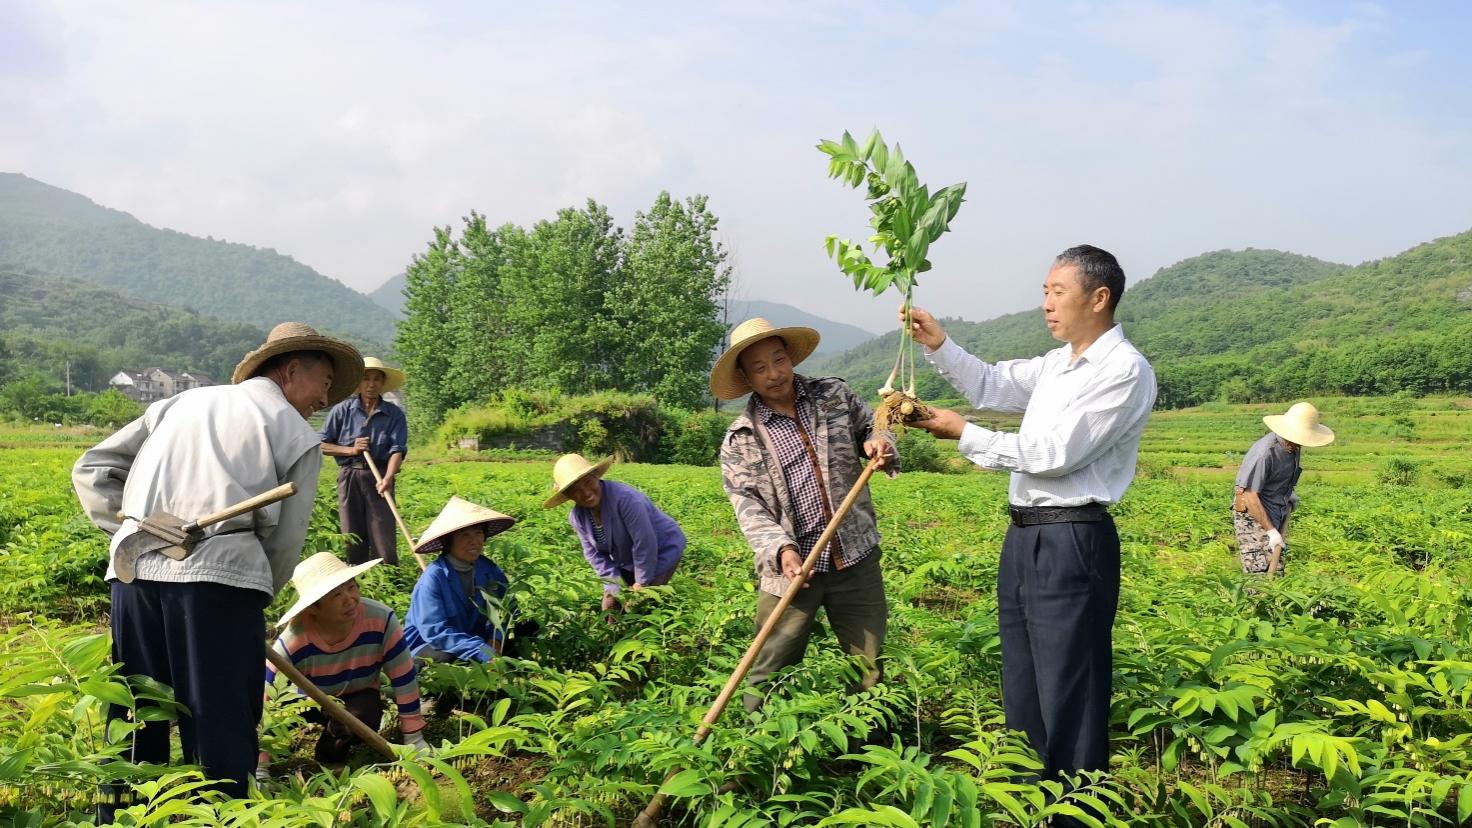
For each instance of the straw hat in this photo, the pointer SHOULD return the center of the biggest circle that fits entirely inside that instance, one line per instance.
(570, 469)
(319, 575)
(1300, 425)
(392, 377)
(726, 382)
(347, 363)
(458, 514)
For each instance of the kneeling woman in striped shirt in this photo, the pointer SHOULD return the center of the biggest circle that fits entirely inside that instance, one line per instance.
(342, 641)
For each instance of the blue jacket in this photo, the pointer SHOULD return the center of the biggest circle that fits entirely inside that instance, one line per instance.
(387, 430)
(641, 538)
(440, 615)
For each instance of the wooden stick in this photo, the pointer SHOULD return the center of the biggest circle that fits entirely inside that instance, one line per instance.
(394, 507)
(281, 492)
(330, 705)
(649, 817)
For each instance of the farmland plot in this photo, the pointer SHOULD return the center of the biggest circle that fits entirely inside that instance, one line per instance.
(1341, 694)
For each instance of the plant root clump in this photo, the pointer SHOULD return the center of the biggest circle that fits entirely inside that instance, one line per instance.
(899, 408)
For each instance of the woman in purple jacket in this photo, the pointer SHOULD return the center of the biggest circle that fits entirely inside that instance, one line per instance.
(625, 537)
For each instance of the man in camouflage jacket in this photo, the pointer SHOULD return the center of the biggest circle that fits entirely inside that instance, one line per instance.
(787, 462)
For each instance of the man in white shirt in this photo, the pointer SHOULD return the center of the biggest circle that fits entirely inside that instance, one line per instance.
(198, 624)
(1085, 407)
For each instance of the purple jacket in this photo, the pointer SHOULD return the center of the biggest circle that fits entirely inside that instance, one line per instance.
(640, 537)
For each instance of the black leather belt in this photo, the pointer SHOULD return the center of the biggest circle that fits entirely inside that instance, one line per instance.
(1035, 515)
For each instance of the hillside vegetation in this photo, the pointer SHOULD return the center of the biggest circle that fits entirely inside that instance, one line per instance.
(47, 323)
(1264, 325)
(51, 231)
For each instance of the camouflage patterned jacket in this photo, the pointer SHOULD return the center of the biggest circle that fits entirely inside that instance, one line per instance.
(753, 477)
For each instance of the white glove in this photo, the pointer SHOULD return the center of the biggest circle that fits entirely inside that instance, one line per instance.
(263, 773)
(1275, 538)
(416, 741)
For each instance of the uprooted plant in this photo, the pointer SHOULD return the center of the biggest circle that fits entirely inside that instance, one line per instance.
(907, 219)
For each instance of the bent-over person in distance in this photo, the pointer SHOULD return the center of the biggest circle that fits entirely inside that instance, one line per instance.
(787, 462)
(367, 424)
(196, 624)
(1084, 408)
(625, 537)
(343, 642)
(1264, 499)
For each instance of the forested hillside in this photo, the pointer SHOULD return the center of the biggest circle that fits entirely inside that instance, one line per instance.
(50, 231)
(1263, 325)
(46, 324)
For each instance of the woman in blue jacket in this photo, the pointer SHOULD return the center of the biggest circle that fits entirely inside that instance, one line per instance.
(625, 537)
(447, 618)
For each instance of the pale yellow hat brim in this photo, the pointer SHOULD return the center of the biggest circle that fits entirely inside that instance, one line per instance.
(319, 575)
(726, 382)
(1300, 425)
(393, 378)
(571, 468)
(458, 514)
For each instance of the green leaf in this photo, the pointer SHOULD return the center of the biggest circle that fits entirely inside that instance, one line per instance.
(380, 791)
(686, 783)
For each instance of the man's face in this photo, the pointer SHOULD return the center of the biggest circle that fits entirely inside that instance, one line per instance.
(768, 369)
(1288, 445)
(306, 387)
(371, 385)
(338, 607)
(586, 493)
(466, 544)
(1068, 308)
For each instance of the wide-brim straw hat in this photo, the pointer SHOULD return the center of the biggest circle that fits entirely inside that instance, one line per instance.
(1300, 425)
(569, 469)
(319, 575)
(347, 363)
(392, 377)
(726, 382)
(458, 514)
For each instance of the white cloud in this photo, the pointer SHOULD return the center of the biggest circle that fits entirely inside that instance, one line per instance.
(341, 133)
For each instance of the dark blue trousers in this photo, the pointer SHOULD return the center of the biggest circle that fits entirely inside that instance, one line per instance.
(1057, 592)
(207, 641)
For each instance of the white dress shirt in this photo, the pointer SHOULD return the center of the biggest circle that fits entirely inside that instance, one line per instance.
(1083, 418)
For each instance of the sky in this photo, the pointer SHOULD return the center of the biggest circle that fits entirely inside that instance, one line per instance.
(342, 133)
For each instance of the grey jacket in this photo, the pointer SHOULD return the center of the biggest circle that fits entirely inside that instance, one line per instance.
(199, 452)
(754, 482)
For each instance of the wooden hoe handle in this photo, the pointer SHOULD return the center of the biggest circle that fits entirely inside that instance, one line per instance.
(394, 507)
(649, 817)
(329, 705)
(281, 492)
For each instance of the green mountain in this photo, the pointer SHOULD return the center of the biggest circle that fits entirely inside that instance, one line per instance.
(48, 326)
(836, 336)
(390, 295)
(48, 230)
(1258, 325)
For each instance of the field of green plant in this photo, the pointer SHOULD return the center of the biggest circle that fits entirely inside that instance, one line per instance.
(1339, 695)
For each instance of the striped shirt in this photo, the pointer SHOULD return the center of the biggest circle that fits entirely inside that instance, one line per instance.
(799, 462)
(375, 644)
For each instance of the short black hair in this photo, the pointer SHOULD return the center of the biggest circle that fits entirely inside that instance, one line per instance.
(1096, 268)
(308, 359)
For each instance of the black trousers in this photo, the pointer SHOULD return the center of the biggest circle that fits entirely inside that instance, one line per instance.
(207, 642)
(364, 513)
(1057, 592)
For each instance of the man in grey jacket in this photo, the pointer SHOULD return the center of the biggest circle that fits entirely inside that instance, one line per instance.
(786, 463)
(198, 624)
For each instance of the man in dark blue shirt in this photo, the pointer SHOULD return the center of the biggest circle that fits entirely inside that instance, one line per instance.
(1269, 473)
(367, 424)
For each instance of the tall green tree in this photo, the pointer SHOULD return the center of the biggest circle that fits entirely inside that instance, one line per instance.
(666, 308)
(424, 341)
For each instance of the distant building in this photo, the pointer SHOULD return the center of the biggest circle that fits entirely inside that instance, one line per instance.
(152, 384)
